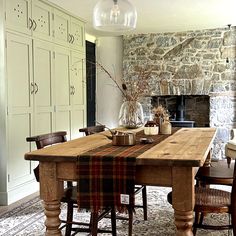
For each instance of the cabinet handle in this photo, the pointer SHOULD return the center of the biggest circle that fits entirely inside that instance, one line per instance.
(30, 23)
(71, 90)
(69, 38)
(37, 88)
(35, 25)
(31, 87)
(73, 38)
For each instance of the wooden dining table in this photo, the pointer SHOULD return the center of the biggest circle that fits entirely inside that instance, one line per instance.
(172, 163)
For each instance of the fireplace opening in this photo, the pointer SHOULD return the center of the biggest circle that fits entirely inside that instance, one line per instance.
(185, 110)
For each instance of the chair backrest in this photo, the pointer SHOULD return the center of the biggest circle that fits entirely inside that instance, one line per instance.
(44, 140)
(92, 129)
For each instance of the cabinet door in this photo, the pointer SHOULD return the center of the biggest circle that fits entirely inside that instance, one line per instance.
(42, 20)
(20, 107)
(62, 89)
(43, 83)
(78, 95)
(61, 27)
(77, 34)
(18, 13)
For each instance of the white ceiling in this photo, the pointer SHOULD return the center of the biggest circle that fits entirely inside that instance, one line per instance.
(164, 15)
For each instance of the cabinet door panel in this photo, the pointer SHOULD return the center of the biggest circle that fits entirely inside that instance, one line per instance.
(18, 13)
(18, 129)
(77, 78)
(19, 73)
(43, 123)
(61, 27)
(77, 31)
(41, 14)
(62, 121)
(62, 77)
(43, 79)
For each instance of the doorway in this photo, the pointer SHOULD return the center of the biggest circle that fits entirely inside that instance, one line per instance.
(91, 82)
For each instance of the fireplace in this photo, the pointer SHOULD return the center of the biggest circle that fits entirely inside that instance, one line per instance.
(185, 110)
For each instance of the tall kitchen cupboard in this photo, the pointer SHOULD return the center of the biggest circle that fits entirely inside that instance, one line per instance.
(41, 86)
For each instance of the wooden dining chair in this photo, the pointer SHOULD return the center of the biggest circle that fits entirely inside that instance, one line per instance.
(70, 193)
(219, 172)
(92, 129)
(210, 200)
(138, 188)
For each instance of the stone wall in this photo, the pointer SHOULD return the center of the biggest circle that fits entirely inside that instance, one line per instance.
(190, 63)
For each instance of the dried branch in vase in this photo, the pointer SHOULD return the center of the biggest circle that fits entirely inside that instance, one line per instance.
(134, 85)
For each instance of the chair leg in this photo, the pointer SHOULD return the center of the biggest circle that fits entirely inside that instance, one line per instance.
(130, 211)
(113, 221)
(144, 196)
(201, 218)
(69, 219)
(228, 161)
(94, 223)
(196, 222)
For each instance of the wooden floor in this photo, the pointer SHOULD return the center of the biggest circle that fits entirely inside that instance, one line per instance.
(4, 209)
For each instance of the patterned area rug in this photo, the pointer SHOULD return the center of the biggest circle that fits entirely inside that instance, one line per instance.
(28, 219)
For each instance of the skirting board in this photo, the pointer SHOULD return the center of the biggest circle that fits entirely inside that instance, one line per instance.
(18, 193)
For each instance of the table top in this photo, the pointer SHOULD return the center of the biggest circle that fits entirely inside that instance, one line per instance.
(186, 147)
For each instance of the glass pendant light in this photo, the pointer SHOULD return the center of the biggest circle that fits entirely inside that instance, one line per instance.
(114, 15)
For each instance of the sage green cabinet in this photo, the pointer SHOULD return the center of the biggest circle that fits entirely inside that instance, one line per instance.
(29, 17)
(20, 107)
(68, 31)
(42, 85)
(70, 95)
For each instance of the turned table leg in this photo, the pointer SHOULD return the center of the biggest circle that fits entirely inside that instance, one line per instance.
(50, 191)
(52, 222)
(183, 199)
(184, 222)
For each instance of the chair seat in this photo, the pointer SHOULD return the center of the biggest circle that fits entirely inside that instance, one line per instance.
(210, 200)
(217, 173)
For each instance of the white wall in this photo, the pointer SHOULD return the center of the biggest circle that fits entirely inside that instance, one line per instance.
(110, 55)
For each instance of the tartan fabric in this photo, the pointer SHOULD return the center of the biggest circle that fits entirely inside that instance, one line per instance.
(108, 171)
(102, 180)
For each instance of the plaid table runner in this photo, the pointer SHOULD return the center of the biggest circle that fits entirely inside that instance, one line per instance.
(107, 174)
